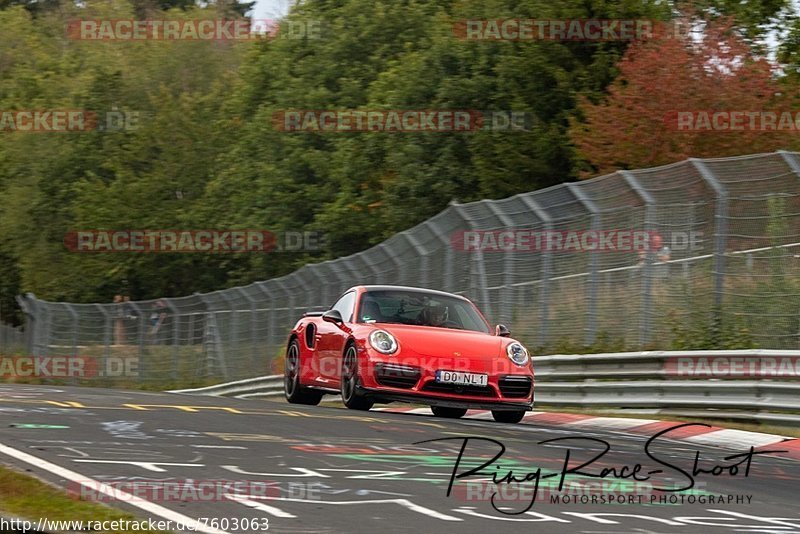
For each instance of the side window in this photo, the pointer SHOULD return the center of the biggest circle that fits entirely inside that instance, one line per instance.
(345, 306)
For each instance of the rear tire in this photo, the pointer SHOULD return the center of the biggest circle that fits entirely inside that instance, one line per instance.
(295, 392)
(350, 380)
(450, 413)
(502, 416)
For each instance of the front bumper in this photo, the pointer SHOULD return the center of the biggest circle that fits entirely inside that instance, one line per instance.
(421, 398)
(509, 387)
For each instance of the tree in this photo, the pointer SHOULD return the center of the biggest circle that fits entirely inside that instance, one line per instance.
(637, 124)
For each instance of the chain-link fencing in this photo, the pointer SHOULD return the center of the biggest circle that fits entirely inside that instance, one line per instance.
(720, 270)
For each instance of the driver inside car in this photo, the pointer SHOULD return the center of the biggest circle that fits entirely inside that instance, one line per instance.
(434, 315)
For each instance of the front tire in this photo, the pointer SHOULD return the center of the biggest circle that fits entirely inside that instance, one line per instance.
(295, 392)
(503, 416)
(450, 413)
(349, 381)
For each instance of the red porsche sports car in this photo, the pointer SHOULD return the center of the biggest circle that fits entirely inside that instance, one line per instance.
(392, 343)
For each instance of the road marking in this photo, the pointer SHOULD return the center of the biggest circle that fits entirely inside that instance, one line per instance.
(368, 474)
(192, 409)
(261, 507)
(150, 466)
(36, 401)
(537, 517)
(109, 491)
(34, 425)
(611, 423)
(600, 518)
(218, 447)
(405, 503)
(735, 438)
(303, 472)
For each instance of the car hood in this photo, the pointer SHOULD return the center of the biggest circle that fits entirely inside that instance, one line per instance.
(431, 341)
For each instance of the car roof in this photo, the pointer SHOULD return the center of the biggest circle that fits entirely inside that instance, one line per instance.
(408, 288)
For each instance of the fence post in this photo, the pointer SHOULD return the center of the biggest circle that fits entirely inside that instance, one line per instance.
(327, 291)
(792, 160)
(423, 264)
(364, 256)
(448, 274)
(289, 306)
(253, 322)
(75, 327)
(270, 341)
(26, 305)
(591, 312)
(483, 288)
(229, 355)
(647, 267)
(393, 258)
(355, 278)
(547, 267)
(505, 314)
(215, 354)
(720, 239)
(142, 337)
(175, 335)
(108, 333)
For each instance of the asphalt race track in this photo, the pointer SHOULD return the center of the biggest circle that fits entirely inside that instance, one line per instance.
(317, 469)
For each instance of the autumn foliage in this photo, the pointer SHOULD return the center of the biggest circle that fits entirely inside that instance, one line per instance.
(636, 125)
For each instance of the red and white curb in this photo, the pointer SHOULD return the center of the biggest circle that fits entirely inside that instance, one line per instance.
(700, 435)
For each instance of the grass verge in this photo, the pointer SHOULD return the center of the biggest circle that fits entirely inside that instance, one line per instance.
(29, 498)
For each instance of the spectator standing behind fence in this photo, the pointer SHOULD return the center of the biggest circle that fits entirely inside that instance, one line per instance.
(657, 251)
(157, 318)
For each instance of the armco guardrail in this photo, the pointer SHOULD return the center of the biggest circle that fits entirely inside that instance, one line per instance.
(755, 385)
(262, 386)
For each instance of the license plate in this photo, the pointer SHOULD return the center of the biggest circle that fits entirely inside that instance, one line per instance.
(462, 379)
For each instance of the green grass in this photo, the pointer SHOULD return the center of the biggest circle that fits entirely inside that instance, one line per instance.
(29, 498)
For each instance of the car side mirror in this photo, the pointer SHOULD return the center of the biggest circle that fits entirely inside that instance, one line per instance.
(333, 316)
(502, 330)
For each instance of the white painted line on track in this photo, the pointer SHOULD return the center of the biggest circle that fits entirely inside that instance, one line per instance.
(261, 507)
(152, 508)
(405, 503)
(218, 447)
(611, 423)
(738, 438)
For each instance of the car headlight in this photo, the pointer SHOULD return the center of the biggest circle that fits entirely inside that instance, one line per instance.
(383, 342)
(517, 353)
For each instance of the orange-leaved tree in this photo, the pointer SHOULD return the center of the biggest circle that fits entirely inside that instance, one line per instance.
(703, 94)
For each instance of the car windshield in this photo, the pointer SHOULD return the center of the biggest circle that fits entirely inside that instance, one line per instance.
(419, 308)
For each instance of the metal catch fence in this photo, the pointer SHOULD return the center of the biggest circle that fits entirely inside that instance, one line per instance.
(722, 271)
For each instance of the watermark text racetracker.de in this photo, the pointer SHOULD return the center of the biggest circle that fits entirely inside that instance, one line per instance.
(401, 120)
(68, 120)
(15, 367)
(260, 524)
(574, 240)
(734, 120)
(731, 366)
(191, 490)
(126, 30)
(209, 241)
(554, 29)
